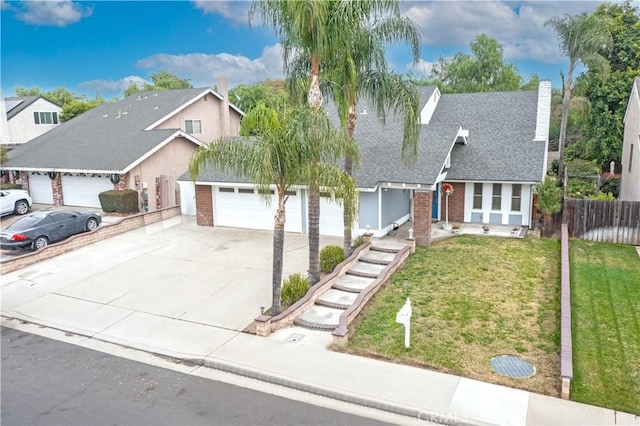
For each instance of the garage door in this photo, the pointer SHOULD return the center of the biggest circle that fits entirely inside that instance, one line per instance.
(83, 190)
(243, 208)
(331, 221)
(40, 189)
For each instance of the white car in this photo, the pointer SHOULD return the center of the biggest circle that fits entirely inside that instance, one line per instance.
(15, 201)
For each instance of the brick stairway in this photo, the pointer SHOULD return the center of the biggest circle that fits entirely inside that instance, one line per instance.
(325, 314)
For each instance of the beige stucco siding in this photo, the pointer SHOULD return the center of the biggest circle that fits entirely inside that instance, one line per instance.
(171, 160)
(22, 127)
(630, 185)
(208, 110)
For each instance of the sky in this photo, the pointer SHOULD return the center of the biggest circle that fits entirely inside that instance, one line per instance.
(101, 47)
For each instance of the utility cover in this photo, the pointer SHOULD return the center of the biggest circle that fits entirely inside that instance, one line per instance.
(512, 366)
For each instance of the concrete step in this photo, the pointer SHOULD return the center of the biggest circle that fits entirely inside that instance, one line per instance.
(386, 246)
(352, 283)
(320, 318)
(338, 299)
(369, 270)
(378, 257)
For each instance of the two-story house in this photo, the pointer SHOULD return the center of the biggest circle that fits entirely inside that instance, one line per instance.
(25, 118)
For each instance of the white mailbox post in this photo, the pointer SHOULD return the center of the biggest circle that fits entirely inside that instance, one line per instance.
(404, 317)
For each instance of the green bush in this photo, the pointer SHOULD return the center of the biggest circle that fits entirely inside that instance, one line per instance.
(330, 257)
(606, 196)
(357, 242)
(293, 288)
(119, 201)
(7, 186)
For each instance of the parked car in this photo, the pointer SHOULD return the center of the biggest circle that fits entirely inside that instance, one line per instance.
(15, 201)
(38, 229)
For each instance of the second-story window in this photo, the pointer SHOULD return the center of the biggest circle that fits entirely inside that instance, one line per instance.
(193, 126)
(45, 117)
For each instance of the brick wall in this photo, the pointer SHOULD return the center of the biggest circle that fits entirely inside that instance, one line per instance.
(122, 183)
(56, 186)
(24, 181)
(106, 230)
(204, 205)
(422, 217)
(456, 203)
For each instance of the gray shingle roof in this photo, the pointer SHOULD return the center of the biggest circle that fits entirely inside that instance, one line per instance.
(109, 137)
(501, 147)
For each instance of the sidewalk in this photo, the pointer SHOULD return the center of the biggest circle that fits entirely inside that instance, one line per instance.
(297, 358)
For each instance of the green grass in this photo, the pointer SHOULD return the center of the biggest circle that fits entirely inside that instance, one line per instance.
(605, 304)
(473, 297)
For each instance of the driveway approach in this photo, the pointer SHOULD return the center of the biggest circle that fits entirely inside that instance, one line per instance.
(217, 277)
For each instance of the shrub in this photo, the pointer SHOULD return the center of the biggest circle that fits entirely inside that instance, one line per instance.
(7, 186)
(357, 242)
(293, 288)
(119, 201)
(602, 196)
(330, 257)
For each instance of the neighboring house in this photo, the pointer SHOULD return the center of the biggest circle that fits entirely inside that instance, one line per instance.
(630, 180)
(25, 118)
(145, 140)
(491, 147)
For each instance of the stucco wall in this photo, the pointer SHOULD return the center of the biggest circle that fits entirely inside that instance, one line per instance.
(22, 127)
(396, 203)
(208, 110)
(630, 185)
(171, 160)
(368, 210)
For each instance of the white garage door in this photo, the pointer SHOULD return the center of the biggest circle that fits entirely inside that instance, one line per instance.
(40, 189)
(83, 190)
(243, 208)
(331, 221)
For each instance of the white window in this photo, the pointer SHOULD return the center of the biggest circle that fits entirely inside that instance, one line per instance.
(45, 117)
(477, 196)
(193, 126)
(516, 197)
(496, 199)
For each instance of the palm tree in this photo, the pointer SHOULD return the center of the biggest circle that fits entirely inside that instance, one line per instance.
(582, 37)
(549, 202)
(279, 155)
(321, 32)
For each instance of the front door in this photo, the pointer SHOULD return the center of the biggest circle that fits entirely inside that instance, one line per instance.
(434, 202)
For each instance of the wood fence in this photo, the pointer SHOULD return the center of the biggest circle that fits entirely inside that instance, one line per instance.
(604, 221)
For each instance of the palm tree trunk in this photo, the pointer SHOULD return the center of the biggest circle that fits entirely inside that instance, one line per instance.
(348, 168)
(278, 256)
(315, 103)
(566, 102)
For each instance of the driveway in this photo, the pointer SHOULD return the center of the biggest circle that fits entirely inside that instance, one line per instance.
(173, 269)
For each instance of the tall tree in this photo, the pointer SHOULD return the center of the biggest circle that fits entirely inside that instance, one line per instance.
(161, 80)
(279, 155)
(321, 32)
(361, 71)
(72, 104)
(484, 70)
(271, 92)
(604, 126)
(582, 38)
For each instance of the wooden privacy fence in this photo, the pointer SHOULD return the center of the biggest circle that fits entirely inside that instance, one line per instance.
(604, 221)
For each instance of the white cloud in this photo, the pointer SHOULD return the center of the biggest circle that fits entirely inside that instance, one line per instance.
(518, 26)
(235, 11)
(112, 86)
(203, 68)
(59, 13)
(422, 69)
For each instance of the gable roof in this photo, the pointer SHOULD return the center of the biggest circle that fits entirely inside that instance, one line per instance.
(501, 146)
(635, 88)
(15, 104)
(109, 137)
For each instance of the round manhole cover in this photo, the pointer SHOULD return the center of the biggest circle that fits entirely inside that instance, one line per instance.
(512, 366)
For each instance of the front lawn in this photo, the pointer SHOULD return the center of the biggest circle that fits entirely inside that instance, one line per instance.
(473, 297)
(605, 304)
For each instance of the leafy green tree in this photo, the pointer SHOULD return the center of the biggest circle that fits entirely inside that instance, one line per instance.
(280, 155)
(76, 107)
(161, 80)
(4, 154)
(271, 93)
(581, 38)
(484, 70)
(604, 126)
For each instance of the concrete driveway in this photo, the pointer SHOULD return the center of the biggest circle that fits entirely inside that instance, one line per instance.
(174, 269)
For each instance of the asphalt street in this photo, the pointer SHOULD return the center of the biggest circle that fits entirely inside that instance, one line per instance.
(48, 382)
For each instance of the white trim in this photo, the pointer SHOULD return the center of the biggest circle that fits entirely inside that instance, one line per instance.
(49, 169)
(634, 89)
(192, 101)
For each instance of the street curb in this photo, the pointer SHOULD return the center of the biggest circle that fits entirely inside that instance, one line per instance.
(422, 415)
